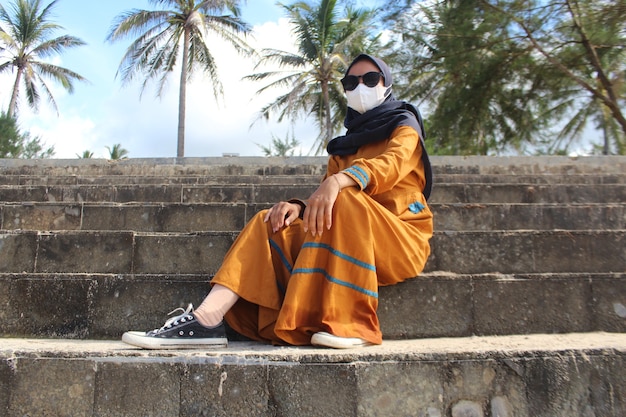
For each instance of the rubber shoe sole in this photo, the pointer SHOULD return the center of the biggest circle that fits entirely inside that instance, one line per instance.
(328, 340)
(142, 340)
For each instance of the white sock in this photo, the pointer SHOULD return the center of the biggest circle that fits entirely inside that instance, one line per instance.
(211, 312)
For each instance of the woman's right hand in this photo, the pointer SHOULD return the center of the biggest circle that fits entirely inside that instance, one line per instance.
(282, 214)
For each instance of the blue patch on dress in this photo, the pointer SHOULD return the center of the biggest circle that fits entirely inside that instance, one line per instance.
(416, 207)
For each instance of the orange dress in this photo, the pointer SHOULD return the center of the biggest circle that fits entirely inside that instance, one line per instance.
(292, 284)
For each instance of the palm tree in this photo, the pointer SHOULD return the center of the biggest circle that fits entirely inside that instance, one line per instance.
(87, 154)
(325, 41)
(117, 152)
(26, 39)
(280, 147)
(183, 29)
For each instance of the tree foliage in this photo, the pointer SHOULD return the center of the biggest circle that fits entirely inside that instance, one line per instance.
(16, 144)
(87, 154)
(26, 39)
(182, 29)
(497, 75)
(327, 37)
(116, 152)
(280, 147)
(10, 137)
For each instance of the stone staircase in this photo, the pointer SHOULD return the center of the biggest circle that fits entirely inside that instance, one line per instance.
(521, 310)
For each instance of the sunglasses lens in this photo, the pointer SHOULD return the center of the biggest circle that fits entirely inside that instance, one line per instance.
(371, 79)
(350, 82)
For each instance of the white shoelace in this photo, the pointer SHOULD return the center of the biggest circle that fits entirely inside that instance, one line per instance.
(174, 320)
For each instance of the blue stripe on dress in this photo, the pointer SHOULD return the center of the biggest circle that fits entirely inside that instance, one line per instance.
(281, 288)
(282, 256)
(341, 255)
(336, 280)
(360, 174)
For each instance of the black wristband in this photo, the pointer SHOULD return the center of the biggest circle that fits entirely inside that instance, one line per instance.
(302, 205)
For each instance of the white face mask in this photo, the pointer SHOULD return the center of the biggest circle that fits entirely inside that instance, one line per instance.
(364, 98)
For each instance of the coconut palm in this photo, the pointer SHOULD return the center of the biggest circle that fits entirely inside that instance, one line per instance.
(182, 29)
(87, 154)
(117, 152)
(326, 39)
(26, 39)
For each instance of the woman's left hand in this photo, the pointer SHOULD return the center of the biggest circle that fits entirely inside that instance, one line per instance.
(319, 210)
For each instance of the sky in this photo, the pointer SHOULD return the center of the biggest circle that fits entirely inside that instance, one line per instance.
(102, 112)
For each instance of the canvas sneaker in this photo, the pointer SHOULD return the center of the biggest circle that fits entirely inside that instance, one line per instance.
(328, 340)
(180, 332)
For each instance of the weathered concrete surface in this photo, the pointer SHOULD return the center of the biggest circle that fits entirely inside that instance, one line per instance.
(87, 178)
(514, 165)
(442, 193)
(511, 252)
(432, 305)
(465, 252)
(503, 216)
(138, 217)
(538, 375)
(200, 217)
(529, 179)
(523, 245)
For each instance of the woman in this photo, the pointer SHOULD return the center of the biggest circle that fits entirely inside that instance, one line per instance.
(308, 272)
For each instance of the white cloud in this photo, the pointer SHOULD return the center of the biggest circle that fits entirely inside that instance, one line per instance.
(103, 113)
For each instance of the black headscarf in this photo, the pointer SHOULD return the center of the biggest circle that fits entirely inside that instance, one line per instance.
(378, 123)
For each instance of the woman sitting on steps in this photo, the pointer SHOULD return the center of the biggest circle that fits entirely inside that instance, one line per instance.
(308, 272)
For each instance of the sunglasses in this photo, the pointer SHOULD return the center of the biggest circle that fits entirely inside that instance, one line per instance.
(370, 79)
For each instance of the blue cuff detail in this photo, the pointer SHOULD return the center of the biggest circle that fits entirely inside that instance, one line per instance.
(359, 174)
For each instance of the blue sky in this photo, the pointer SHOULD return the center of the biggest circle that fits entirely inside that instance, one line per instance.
(103, 113)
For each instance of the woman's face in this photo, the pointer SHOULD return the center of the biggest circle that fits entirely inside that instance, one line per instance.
(363, 67)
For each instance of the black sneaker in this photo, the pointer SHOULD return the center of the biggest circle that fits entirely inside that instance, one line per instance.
(180, 332)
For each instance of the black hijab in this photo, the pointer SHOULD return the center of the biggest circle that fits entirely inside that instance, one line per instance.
(378, 123)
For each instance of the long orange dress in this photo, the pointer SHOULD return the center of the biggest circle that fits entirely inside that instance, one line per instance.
(292, 284)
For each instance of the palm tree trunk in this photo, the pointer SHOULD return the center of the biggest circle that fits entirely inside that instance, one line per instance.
(13, 102)
(182, 98)
(329, 125)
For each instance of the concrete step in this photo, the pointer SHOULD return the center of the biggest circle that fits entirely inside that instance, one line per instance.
(536, 179)
(200, 217)
(140, 217)
(528, 193)
(528, 165)
(172, 167)
(280, 179)
(316, 165)
(115, 180)
(503, 322)
(166, 193)
(269, 193)
(437, 304)
(468, 217)
(578, 374)
(469, 252)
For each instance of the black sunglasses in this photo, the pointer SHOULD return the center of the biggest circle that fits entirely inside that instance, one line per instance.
(370, 79)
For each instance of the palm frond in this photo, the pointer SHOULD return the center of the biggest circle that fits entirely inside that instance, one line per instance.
(162, 36)
(27, 40)
(324, 36)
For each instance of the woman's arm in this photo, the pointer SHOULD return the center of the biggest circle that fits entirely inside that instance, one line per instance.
(382, 171)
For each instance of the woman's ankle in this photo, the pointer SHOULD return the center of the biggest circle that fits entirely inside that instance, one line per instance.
(211, 312)
(209, 320)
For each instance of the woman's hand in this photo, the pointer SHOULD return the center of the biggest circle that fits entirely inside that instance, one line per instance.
(282, 215)
(319, 210)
